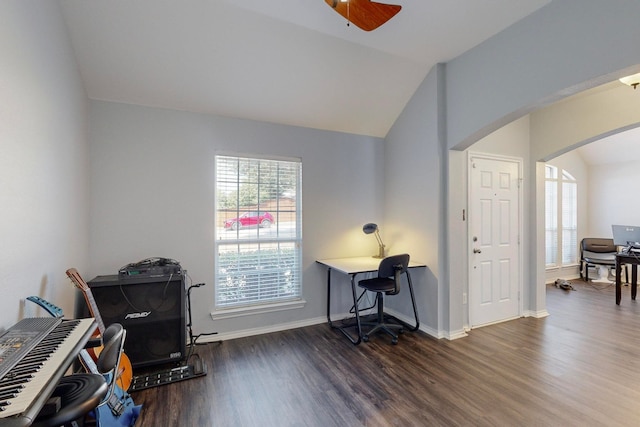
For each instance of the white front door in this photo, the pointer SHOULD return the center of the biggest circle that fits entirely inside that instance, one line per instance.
(494, 249)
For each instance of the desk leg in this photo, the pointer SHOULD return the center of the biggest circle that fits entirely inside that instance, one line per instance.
(343, 329)
(329, 296)
(413, 301)
(634, 281)
(618, 284)
(355, 306)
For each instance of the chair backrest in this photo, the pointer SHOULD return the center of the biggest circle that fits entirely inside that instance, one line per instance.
(392, 267)
(597, 244)
(113, 342)
(109, 359)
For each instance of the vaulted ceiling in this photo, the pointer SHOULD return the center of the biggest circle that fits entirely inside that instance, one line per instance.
(293, 62)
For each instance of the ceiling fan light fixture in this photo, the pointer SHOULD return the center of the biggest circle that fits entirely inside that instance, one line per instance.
(364, 14)
(633, 80)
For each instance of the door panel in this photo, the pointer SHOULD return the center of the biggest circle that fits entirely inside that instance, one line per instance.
(494, 226)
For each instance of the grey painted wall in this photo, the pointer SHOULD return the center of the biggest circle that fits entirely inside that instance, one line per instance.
(43, 160)
(563, 48)
(152, 194)
(138, 152)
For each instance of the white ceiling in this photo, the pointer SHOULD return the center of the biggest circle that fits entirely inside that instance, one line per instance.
(293, 62)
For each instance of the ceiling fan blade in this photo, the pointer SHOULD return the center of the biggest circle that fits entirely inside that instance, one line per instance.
(365, 14)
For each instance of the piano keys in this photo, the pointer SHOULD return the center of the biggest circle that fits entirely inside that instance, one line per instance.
(25, 388)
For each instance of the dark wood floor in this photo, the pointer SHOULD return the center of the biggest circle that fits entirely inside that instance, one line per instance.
(578, 367)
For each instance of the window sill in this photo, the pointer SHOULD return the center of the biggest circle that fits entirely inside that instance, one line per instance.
(253, 310)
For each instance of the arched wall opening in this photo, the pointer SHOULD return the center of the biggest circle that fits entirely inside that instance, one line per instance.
(561, 50)
(547, 132)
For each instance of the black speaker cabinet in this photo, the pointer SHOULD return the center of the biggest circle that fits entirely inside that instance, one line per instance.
(151, 309)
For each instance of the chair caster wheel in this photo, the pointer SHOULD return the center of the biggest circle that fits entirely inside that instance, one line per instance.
(394, 341)
(401, 331)
(365, 338)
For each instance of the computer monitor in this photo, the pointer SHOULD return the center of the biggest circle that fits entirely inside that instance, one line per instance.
(626, 235)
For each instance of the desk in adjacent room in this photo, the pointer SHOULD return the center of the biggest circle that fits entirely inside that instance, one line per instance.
(352, 267)
(622, 258)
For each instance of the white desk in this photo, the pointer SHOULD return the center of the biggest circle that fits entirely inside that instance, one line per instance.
(352, 267)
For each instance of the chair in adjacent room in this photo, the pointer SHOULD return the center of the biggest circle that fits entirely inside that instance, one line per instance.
(80, 393)
(388, 282)
(594, 252)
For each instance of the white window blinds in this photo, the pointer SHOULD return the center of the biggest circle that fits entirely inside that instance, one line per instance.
(258, 231)
(561, 217)
(569, 219)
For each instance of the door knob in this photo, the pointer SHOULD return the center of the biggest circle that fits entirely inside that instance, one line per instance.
(476, 251)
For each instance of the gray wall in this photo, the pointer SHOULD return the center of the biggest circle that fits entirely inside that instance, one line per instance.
(43, 160)
(563, 48)
(137, 153)
(152, 194)
(413, 193)
(612, 197)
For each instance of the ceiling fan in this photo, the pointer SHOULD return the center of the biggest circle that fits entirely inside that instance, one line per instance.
(365, 14)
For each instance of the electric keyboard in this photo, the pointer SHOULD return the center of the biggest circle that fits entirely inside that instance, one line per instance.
(21, 338)
(26, 386)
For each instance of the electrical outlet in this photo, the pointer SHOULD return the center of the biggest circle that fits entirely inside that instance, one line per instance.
(464, 297)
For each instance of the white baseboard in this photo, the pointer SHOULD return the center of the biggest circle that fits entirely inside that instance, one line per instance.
(454, 335)
(225, 336)
(411, 321)
(568, 273)
(449, 335)
(537, 314)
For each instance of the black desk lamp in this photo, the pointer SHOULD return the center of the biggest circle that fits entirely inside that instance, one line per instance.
(373, 228)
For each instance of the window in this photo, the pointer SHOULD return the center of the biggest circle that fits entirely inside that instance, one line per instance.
(561, 217)
(258, 231)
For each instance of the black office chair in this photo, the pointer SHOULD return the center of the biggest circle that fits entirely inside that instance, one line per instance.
(596, 251)
(81, 393)
(388, 283)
